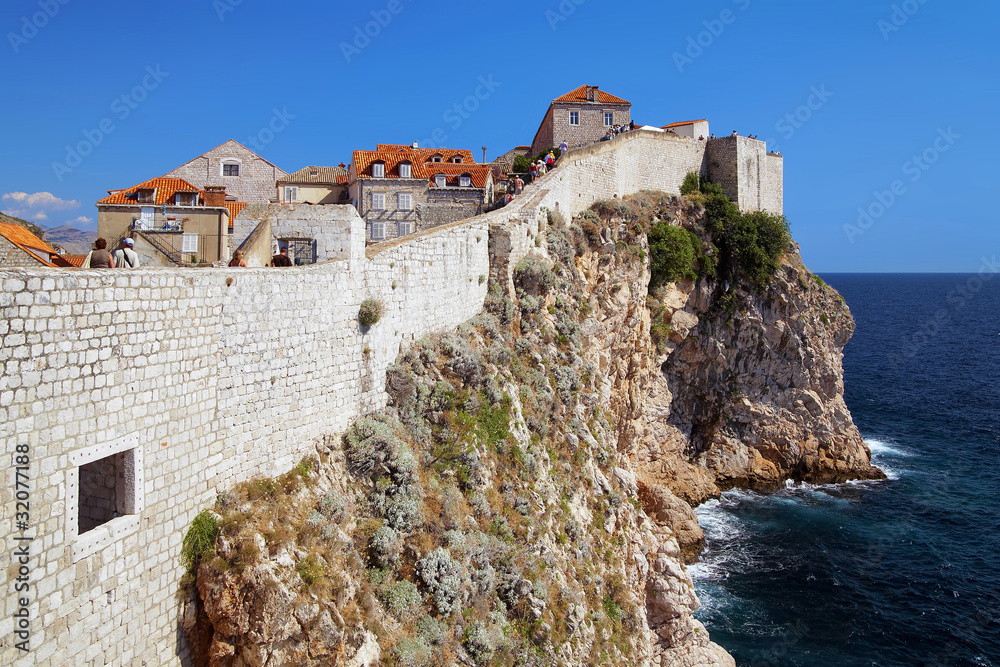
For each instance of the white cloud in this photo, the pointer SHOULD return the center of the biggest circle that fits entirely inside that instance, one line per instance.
(82, 220)
(40, 200)
(41, 215)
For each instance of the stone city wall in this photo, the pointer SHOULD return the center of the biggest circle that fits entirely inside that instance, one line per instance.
(142, 395)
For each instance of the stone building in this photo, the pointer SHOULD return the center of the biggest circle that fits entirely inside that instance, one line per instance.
(580, 117)
(314, 185)
(171, 221)
(400, 189)
(20, 248)
(246, 176)
(693, 129)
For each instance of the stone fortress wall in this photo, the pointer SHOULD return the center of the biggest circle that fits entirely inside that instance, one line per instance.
(146, 393)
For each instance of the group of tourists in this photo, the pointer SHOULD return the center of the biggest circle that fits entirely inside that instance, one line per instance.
(123, 258)
(615, 130)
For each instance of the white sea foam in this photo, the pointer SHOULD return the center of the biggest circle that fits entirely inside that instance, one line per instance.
(883, 448)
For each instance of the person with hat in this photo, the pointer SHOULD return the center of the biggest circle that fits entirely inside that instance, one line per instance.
(125, 257)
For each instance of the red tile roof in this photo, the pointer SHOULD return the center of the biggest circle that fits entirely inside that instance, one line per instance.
(165, 188)
(73, 260)
(234, 209)
(686, 122)
(478, 173)
(395, 154)
(26, 241)
(580, 95)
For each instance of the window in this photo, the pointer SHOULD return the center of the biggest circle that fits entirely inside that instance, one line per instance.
(405, 228)
(465, 181)
(301, 251)
(440, 180)
(574, 117)
(378, 201)
(437, 158)
(406, 170)
(146, 196)
(291, 194)
(185, 199)
(189, 243)
(146, 214)
(404, 201)
(378, 170)
(457, 159)
(609, 119)
(105, 492)
(230, 168)
(378, 231)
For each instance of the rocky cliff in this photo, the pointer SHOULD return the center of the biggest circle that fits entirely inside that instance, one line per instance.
(527, 497)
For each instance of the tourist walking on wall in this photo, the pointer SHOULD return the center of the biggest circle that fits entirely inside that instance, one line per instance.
(534, 172)
(563, 147)
(518, 185)
(281, 259)
(99, 257)
(237, 259)
(550, 160)
(125, 257)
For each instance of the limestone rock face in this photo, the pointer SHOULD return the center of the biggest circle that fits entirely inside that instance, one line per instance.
(528, 497)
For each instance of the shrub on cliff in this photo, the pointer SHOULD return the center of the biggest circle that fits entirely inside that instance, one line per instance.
(672, 254)
(443, 579)
(199, 539)
(370, 312)
(690, 183)
(533, 275)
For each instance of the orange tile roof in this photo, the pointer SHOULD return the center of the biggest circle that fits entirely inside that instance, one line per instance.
(74, 260)
(234, 209)
(479, 173)
(26, 241)
(686, 122)
(580, 95)
(395, 154)
(165, 188)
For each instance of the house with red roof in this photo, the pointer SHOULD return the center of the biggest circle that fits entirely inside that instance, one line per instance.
(693, 129)
(171, 221)
(19, 247)
(580, 117)
(246, 176)
(400, 189)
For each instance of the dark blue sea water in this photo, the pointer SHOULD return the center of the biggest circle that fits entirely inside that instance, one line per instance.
(900, 572)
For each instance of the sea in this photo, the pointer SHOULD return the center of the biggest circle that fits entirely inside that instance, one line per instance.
(900, 572)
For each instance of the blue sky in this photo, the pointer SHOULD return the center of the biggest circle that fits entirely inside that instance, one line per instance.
(887, 82)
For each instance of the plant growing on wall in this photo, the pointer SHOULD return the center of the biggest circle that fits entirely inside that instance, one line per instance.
(370, 312)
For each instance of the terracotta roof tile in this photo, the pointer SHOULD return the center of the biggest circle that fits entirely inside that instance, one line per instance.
(26, 241)
(395, 154)
(320, 175)
(234, 209)
(74, 260)
(479, 173)
(165, 188)
(580, 95)
(685, 122)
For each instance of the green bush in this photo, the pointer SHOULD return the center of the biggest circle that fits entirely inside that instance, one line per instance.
(672, 254)
(522, 164)
(200, 538)
(370, 312)
(310, 569)
(690, 183)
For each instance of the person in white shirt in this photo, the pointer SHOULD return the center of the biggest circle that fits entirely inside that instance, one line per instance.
(125, 257)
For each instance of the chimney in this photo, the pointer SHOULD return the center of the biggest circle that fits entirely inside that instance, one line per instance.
(215, 195)
(415, 145)
(342, 165)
